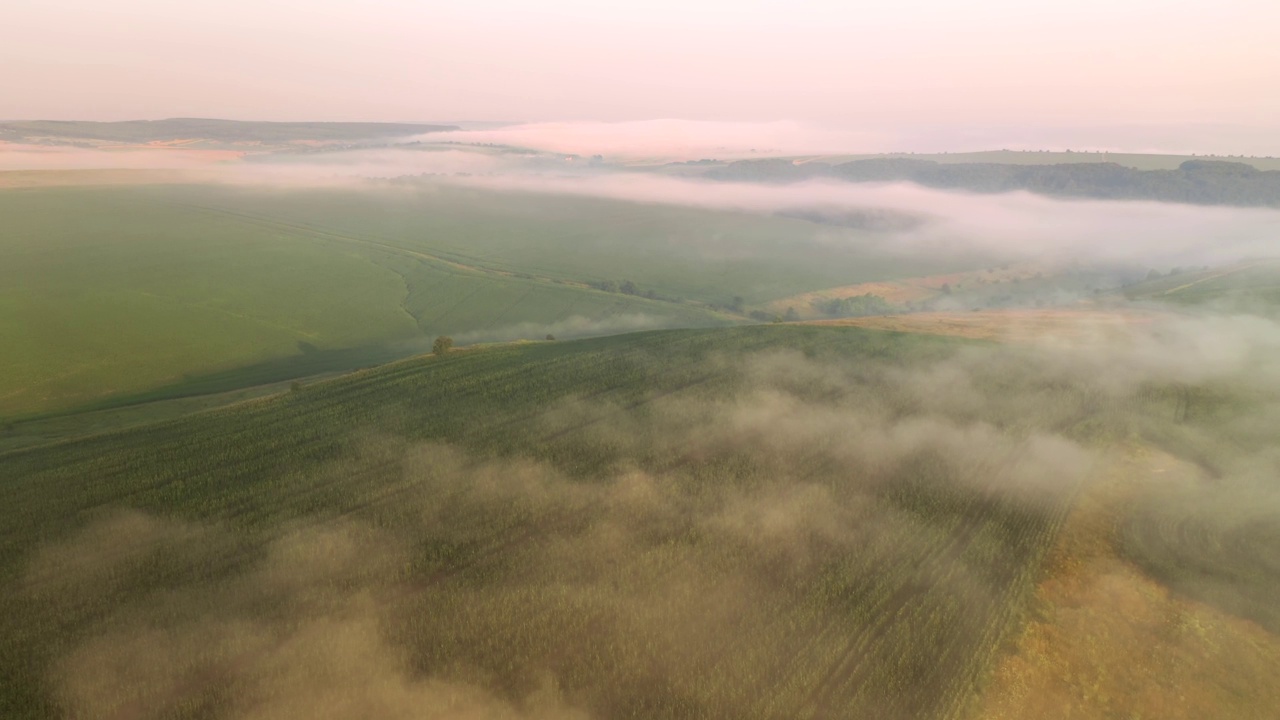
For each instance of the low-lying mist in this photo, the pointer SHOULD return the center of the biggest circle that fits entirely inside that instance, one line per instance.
(709, 552)
(1016, 225)
(909, 219)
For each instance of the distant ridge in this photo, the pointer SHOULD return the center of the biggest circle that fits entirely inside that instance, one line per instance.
(1201, 182)
(213, 129)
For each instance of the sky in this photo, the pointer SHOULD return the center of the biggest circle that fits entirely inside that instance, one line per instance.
(993, 67)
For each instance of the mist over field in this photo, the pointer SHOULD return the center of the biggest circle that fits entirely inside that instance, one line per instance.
(1015, 225)
(637, 561)
(750, 360)
(1018, 225)
(683, 140)
(737, 526)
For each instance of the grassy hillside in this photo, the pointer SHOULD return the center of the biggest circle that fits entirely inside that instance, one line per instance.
(687, 253)
(1251, 286)
(117, 291)
(743, 522)
(110, 292)
(668, 524)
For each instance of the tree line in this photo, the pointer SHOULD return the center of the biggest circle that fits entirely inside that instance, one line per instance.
(1203, 182)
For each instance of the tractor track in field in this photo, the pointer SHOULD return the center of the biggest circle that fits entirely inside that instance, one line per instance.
(441, 259)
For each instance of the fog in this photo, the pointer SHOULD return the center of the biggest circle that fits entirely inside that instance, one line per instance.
(581, 589)
(886, 431)
(1016, 224)
(644, 567)
(692, 546)
(674, 139)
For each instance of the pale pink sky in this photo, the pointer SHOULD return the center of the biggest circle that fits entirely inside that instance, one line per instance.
(841, 64)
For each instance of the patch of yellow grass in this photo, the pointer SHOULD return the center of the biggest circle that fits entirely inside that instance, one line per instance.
(901, 292)
(1004, 325)
(1109, 642)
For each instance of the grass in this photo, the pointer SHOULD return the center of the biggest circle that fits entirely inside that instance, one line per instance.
(1249, 286)
(559, 508)
(1106, 638)
(106, 293)
(113, 292)
(118, 293)
(689, 253)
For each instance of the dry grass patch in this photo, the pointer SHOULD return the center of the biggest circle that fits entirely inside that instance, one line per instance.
(1075, 325)
(1106, 641)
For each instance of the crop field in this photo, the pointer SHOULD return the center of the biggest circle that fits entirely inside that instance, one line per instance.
(688, 253)
(111, 292)
(121, 292)
(781, 520)
(673, 523)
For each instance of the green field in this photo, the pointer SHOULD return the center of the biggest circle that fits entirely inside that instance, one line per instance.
(686, 253)
(618, 515)
(113, 293)
(761, 521)
(1250, 286)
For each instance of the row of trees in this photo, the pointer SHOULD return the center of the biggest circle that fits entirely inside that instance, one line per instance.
(1205, 182)
(627, 287)
(866, 304)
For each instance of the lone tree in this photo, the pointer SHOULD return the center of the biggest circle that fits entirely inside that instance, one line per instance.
(550, 336)
(442, 345)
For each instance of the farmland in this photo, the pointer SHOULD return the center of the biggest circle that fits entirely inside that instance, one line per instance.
(236, 487)
(550, 523)
(115, 292)
(798, 520)
(688, 253)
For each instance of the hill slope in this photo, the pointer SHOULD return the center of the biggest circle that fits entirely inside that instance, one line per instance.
(226, 131)
(672, 524)
(1202, 182)
(111, 292)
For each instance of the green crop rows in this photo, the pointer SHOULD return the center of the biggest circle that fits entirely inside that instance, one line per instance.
(601, 511)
